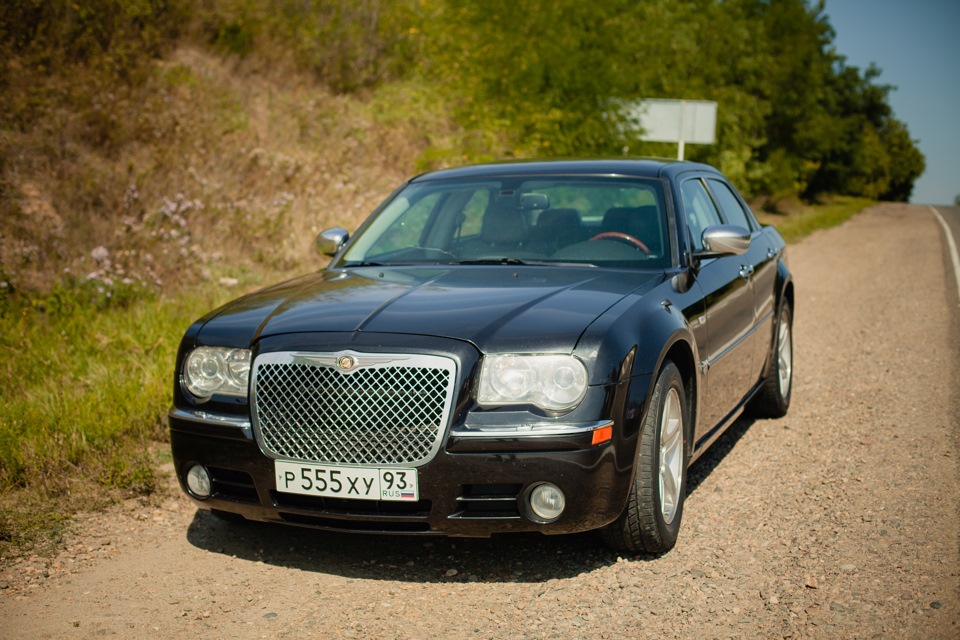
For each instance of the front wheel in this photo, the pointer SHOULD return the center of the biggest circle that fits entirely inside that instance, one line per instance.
(651, 520)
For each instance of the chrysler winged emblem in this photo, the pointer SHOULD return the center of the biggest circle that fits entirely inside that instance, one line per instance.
(344, 362)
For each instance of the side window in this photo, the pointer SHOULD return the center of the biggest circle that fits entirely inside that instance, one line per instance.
(699, 210)
(730, 206)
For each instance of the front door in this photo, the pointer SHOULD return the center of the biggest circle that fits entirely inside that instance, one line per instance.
(728, 293)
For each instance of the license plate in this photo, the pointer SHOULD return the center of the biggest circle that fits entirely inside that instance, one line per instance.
(353, 483)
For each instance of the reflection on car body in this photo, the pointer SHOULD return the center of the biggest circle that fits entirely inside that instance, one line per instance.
(541, 346)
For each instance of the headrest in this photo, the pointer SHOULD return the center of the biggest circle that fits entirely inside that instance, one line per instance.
(503, 223)
(630, 219)
(558, 218)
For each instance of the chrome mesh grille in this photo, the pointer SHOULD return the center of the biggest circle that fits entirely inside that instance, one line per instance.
(393, 411)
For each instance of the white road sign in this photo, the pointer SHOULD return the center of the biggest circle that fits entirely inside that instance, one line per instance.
(681, 121)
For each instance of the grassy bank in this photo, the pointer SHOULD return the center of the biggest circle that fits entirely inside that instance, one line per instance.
(809, 218)
(121, 206)
(85, 381)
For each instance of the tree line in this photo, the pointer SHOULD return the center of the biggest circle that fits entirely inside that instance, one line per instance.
(547, 78)
(793, 119)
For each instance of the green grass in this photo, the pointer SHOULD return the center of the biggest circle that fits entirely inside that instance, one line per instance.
(85, 382)
(799, 224)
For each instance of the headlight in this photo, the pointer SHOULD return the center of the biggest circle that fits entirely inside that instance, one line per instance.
(551, 382)
(210, 370)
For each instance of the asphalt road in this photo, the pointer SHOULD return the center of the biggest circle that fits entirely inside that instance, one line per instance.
(841, 520)
(950, 223)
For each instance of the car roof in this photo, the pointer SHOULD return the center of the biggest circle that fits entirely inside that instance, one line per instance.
(639, 167)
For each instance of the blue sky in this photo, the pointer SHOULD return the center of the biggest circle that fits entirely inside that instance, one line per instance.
(917, 46)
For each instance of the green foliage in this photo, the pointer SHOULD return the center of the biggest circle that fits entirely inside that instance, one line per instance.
(799, 224)
(84, 386)
(904, 161)
(234, 37)
(548, 79)
(86, 360)
(85, 382)
(545, 74)
(538, 78)
(116, 33)
(348, 45)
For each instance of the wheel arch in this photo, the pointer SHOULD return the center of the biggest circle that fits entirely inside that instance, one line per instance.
(680, 352)
(785, 295)
(679, 349)
(784, 284)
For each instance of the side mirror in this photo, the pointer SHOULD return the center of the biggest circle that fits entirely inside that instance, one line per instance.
(724, 239)
(330, 242)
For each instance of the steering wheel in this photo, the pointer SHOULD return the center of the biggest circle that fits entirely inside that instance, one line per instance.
(626, 237)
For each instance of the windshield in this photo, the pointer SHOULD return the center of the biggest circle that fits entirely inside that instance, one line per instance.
(609, 222)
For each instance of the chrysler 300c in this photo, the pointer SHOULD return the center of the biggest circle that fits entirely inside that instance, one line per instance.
(541, 346)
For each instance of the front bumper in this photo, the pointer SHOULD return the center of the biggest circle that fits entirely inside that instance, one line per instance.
(474, 487)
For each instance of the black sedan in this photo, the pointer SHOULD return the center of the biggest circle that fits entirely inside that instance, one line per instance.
(541, 346)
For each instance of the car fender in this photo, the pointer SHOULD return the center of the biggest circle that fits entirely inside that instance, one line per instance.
(679, 347)
(629, 344)
(666, 336)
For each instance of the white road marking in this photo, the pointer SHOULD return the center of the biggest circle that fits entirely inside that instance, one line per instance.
(952, 246)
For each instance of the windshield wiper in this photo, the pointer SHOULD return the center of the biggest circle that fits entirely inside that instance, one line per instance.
(528, 263)
(362, 263)
(513, 261)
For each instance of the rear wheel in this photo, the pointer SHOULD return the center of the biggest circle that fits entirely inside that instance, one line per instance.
(651, 520)
(773, 399)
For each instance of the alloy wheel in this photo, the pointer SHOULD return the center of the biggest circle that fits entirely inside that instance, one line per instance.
(671, 455)
(785, 355)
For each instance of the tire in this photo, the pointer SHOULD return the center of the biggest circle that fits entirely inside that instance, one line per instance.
(773, 398)
(650, 521)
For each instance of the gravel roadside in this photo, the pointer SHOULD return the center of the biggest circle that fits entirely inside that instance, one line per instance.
(840, 520)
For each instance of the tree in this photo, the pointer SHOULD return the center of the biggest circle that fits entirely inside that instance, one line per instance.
(541, 73)
(540, 78)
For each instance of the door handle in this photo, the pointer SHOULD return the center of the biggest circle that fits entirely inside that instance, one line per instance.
(746, 270)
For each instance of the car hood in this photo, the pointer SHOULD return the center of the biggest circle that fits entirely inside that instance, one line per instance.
(497, 308)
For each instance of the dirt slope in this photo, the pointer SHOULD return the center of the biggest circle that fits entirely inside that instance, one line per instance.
(840, 520)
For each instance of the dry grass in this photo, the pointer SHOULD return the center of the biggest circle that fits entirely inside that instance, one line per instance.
(210, 166)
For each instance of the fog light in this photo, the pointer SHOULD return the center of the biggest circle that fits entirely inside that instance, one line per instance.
(546, 502)
(198, 481)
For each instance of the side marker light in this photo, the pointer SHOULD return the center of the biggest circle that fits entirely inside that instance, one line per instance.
(603, 434)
